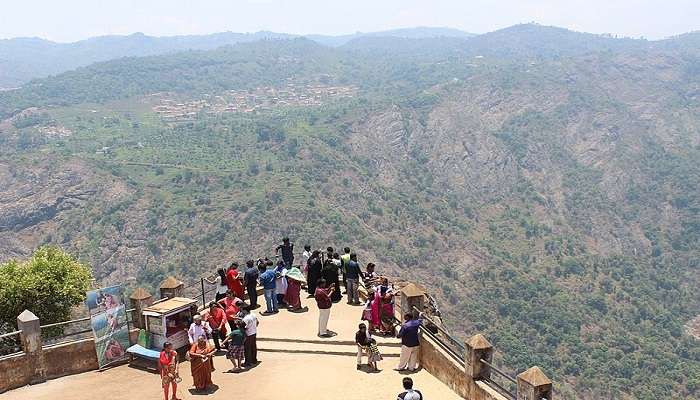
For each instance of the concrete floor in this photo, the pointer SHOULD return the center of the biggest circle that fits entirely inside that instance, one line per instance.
(300, 366)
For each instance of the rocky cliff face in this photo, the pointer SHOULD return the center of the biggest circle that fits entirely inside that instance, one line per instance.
(39, 203)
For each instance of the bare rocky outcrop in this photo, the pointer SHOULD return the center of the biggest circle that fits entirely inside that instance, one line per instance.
(36, 201)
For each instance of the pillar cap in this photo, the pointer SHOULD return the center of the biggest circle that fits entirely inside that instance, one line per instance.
(140, 294)
(535, 377)
(412, 290)
(478, 342)
(27, 316)
(170, 283)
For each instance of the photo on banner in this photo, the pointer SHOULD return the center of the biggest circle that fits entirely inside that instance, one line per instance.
(109, 323)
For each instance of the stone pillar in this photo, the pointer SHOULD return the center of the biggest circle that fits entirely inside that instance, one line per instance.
(478, 348)
(171, 287)
(411, 296)
(533, 384)
(139, 300)
(29, 324)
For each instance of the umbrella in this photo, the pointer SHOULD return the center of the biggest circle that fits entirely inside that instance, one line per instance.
(296, 274)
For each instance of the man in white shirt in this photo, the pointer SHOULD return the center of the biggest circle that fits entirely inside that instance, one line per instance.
(305, 259)
(251, 331)
(198, 328)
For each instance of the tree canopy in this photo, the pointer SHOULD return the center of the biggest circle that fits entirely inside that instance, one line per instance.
(48, 284)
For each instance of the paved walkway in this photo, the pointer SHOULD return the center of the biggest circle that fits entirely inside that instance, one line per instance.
(295, 364)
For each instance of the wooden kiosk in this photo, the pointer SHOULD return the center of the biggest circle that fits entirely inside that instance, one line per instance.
(168, 321)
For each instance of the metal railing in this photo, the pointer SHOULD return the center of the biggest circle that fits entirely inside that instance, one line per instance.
(82, 333)
(456, 355)
(10, 344)
(497, 385)
(66, 331)
(460, 349)
(456, 350)
(72, 321)
(498, 371)
(459, 359)
(10, 334)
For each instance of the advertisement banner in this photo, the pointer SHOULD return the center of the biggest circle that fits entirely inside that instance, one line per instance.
(109, 323)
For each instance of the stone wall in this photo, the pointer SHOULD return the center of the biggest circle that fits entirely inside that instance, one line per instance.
(58, 360)
(443, 367)
(70, 358)
(434, 360)
(14, 372)
(469, 374)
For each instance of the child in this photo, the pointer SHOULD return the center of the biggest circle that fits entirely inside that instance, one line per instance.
(367, 311)
(235, 341)
(373, 355)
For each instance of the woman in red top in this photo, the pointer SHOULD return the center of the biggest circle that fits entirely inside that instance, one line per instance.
(167, 364)
(323, 300)
(231, 308)
(216, 317)
(233, 281)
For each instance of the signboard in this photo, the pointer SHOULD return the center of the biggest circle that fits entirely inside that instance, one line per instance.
(109, 323)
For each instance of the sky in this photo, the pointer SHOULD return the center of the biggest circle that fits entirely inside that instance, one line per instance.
(72, 20)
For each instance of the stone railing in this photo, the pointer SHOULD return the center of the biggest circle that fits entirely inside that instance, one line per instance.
(36, 362)
(471, 378)
(469, 374)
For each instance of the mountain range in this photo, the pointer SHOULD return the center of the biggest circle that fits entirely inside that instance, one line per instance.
(23, 59)
(543, 184)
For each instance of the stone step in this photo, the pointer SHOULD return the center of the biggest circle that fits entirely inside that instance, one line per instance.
(320, 347)
(382, 341)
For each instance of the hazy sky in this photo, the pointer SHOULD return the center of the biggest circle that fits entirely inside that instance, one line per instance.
(70, 20)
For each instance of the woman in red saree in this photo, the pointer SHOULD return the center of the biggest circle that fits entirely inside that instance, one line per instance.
(200, 363)
(234, 280)
(375, 322)
(294, 280)
(386, 302)
(167, 364)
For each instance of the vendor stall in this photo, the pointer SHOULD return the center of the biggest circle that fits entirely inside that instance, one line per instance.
(169, 320)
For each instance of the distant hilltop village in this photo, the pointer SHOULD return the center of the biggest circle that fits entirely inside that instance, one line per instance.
(249, 100)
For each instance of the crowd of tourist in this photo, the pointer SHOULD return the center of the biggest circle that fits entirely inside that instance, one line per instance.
(232, 324)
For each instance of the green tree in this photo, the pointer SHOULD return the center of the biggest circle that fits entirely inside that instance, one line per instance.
(48, 284)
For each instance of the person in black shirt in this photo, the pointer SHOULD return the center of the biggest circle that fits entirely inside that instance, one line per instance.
(250, 279)
(328, 255)
(330, 272)
(362, 341)
(287, 252)
(314, 271)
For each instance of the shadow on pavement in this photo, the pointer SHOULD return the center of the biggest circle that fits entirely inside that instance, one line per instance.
(211, 389)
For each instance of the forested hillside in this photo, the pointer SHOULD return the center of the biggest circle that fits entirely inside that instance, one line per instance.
(543, 183)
